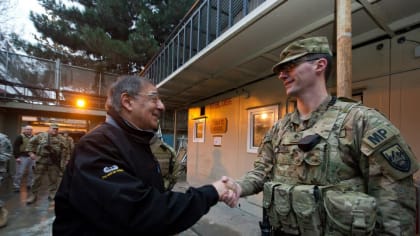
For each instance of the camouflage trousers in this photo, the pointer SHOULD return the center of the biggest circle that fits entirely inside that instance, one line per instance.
(53, 173)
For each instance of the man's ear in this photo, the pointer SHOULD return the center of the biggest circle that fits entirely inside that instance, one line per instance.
(321, 65)
(126, 101)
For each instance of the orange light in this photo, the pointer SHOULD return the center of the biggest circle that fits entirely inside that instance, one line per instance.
(80, 103)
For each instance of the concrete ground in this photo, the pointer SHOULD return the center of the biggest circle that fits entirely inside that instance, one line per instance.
(36, 219)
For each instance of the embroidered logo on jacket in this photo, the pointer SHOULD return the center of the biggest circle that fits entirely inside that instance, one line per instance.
(111, 170)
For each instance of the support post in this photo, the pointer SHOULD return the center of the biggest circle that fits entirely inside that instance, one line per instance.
(344, 48)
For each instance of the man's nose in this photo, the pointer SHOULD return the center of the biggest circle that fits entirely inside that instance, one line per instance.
(160, 105)
(283, 75)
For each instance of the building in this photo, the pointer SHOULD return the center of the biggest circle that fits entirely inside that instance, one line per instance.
(218, 66)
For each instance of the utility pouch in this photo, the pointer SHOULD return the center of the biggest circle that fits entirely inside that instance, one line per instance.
(349, 213)
(306, 200)
(277, 201)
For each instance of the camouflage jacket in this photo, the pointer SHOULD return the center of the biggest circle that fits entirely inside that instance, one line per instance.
(48, 148)
(5, 154)
(5, 148)
(355, 141)
(166, 157)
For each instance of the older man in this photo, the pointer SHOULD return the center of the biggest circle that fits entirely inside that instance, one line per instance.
(113, 184)
(24, 163)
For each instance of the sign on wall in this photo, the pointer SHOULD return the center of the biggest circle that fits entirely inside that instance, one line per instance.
(218, 125)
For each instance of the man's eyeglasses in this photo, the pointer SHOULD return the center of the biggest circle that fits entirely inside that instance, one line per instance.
(153, 96)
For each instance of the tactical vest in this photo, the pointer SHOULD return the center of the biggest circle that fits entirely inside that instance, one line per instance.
(25, 141)
(55, 142)
(165, 155)
(320, 164)
(307, 182)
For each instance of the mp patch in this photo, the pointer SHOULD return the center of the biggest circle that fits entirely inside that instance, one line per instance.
(397, 158)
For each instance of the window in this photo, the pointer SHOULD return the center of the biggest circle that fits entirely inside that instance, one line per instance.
(260, 120)
(199, 130)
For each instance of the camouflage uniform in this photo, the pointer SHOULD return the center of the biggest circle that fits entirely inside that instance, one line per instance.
(68, 140)
(50, 150)
(166, 157)
(5, 154)
(345, 171)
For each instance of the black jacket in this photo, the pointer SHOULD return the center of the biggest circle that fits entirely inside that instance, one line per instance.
(113, 186)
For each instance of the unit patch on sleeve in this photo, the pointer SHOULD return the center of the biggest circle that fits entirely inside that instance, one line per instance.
(379, 136)
(397, 158)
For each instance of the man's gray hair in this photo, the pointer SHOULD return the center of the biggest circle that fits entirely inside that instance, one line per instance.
(130, 84)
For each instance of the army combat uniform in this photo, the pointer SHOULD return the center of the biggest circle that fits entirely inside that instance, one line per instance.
(50, 150)
(345, 171)
(5, 154)
(166, 157)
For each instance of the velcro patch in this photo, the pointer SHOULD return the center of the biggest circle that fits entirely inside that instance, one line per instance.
(397, 158)
(378, 136)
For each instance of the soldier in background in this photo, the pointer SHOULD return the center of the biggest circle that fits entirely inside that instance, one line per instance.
(69, 146)
(334, 166)
(5, 154)
(166, 157)
(48, 149)
(23, 161)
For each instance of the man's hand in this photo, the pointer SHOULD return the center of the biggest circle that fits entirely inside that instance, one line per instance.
(32, 155)
(231, 199)
(18, 161)
(229, 191)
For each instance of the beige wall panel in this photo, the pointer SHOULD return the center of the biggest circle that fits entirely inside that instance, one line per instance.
(375, 93)
(403, 57)
(405, 107)
(371, 61)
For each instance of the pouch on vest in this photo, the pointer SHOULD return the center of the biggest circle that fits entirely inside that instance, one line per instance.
(349, 213)
(277, 201)
(306, 199)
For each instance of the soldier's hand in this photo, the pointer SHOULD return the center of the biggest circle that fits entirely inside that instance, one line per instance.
(18, 160)
(231, 197)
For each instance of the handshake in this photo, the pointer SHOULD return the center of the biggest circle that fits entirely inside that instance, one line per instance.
(229, 191)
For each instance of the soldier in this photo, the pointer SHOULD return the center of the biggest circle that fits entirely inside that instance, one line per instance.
(23, 161)
(334, 166)
(48, 149)
(5, 154)
(69, 147)
(166, 157)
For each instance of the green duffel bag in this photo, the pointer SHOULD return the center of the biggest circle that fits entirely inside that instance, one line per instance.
(349, 213)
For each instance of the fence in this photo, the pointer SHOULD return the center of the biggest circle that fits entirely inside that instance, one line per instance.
(39, 81)
(207, 21)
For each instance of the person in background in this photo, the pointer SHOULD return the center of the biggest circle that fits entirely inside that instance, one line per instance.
(166, 157)
(69, 146)
(48, 149)
(5, 154)
(24, 163)
(333, 166)
(113, 184)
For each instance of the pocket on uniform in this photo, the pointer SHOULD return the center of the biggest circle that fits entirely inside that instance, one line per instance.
(316, 160)
(349, 213)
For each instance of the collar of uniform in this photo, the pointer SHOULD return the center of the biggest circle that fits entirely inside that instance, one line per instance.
(295, 119)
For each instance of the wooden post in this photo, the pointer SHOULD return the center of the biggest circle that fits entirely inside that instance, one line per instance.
(344, 46)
